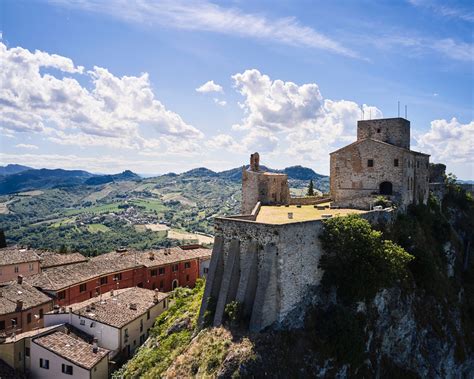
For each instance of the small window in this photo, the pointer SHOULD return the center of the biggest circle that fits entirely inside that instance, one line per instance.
(378, 130)
(175, 268)
(31, 266)
(126, 333)
(187, 265)
(153, 272)
(103, 280)
(41, 313)
(141, 325)
(17, 269)
(61, 295)
(66, 369)
(44, 363)
(148, 314)
(82, 322)
(19, 355)
(14, 321)
(92, 325)
(395, 162)
(28, 318)
(205, 270)
(83, 287)
(370, 163)
(27, 351)
(161, 271)
(187, 278)
(2, 325)
(118, 276)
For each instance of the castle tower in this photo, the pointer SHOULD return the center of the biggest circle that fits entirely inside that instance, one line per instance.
(268, 188)
(395, 131)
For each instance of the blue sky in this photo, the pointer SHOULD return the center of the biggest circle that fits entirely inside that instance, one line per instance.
(159, 86)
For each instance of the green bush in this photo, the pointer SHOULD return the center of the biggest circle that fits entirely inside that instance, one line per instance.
(382, 201)
(233, 311)
(358, 261)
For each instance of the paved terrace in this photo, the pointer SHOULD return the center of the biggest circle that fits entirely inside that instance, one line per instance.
(279, 214)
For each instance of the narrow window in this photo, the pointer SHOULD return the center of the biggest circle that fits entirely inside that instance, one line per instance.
(66, 369)
(28, 318)
(161, 271)
(16, 269)
(82, 287)
(153, 272)
(417, 164)
(148, 314)
(187, 265)
(2, 325)
(44, 363)
(118, 276)
(187, 278)
(27, 351)
(378, 130)
(103, 280)
(141, 325)
(61, 295)
(41, 313)
(395, 162)
(175, 268)
(370, 163)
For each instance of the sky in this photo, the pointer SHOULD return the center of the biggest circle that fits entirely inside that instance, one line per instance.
(166, 86)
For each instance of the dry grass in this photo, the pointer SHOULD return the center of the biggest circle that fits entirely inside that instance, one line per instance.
(185, 236)
(279, 214)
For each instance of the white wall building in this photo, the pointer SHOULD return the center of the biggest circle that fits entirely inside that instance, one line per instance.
(120, 321)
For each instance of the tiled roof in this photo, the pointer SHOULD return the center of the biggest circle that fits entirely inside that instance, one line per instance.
(57, 278)
(13, 255)
(12, 291)
(50, 259)
(156, 257)
(116, 310)
(72, 349)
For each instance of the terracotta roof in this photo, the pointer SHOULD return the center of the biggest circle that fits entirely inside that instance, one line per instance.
(381, 142)
(50, 259)
(57, 278)
(154, 257)
(12, 291)
(72, 349)
(13, 255)
(116, 310)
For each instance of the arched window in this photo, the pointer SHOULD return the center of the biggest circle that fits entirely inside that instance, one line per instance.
(385, 188)
(175, 283)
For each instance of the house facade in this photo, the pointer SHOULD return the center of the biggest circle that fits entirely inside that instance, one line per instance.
(16, 261)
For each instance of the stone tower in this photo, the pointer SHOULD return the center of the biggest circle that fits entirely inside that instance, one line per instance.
(395, 131)
(265, 187)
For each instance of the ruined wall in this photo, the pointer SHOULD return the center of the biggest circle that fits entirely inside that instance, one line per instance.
(308, 200)
(268, 188)
(395, 131)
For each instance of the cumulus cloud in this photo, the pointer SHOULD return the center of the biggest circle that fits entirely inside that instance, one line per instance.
(210, 86)
(109, 113)
(26, 146)
(310, 125)
(448, 141)
(222, 103)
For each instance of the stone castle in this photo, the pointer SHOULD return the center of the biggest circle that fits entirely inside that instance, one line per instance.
(266, 259)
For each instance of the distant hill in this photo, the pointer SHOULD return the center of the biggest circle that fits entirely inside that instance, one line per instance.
(33, 179)
(103, 179)
(293, 172)
(11, 169)
(200, 172)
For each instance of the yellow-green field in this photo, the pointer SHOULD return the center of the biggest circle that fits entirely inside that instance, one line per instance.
(185, 236)
(96, 228)
(279, 214)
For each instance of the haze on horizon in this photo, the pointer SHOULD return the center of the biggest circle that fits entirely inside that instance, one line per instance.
(168, 86)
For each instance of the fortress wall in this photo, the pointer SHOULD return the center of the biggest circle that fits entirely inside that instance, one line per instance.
(307, 200)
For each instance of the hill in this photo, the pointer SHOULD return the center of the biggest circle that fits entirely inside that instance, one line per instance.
(103, 179)
(13, 169)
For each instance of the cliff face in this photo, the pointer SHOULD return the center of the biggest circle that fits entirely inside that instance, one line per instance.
(417, 327)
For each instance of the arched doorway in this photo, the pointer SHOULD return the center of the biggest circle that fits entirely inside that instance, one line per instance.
(175, 283)
(385, 188)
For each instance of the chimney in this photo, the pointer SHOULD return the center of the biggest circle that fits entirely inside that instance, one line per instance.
(95, 348)
(19, 305)
(133, 306)
(19, 279)
(151, 256)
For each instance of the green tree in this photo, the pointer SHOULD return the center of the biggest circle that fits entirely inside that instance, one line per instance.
(358, 261)
(311, 188)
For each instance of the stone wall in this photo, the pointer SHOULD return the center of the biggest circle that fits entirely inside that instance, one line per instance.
(395, 131)
(308, 200)
(269, 269)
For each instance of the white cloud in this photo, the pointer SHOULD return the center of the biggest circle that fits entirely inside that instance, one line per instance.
(209, 17)
(110, 113)
(210, 86)
(222, 103)
(309, 125)
(26, 146)
(448, 141)
(446, 11)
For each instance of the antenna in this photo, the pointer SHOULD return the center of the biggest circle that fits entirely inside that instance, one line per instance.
(363, 113)
(398, 108)
(406, 112)
(370, 114)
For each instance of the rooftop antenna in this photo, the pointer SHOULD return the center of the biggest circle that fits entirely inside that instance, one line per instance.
(398, 108)
(370, 113)
(406, 112)
(363, 113)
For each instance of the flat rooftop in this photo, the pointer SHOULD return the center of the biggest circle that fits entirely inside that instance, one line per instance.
(274, 214)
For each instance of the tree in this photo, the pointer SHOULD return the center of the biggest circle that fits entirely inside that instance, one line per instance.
(311, 188)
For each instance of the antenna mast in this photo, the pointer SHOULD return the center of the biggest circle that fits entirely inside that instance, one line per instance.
(406, 112)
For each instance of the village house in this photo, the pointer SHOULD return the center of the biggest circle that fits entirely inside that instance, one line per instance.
(119, 320)
(65, 355)
(164, 269)
(16, 261)
(22, 307)
(50, 259)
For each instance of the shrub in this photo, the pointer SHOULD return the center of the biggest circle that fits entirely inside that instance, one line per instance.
(382, 201)
(233, 311)
(358, 261)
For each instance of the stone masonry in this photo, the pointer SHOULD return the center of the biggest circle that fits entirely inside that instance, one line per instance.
(380, 162)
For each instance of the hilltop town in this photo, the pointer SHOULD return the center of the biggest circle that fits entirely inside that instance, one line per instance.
(272, 270)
